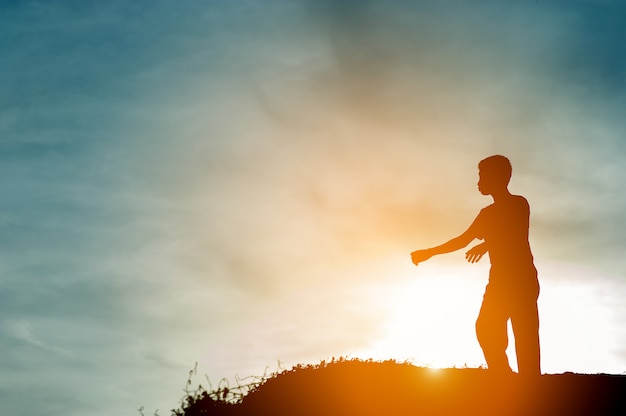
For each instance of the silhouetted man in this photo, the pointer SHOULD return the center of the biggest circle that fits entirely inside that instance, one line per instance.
(513, 287)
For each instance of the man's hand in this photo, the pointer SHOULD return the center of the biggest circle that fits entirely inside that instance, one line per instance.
(476, 253)
(420, 255)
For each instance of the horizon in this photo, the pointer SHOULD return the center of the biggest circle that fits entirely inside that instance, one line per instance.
(242, 184)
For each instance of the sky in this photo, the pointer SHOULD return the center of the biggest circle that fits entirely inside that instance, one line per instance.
(239, 184)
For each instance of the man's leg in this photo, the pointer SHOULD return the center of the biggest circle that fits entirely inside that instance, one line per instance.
(491, 331)
(525, 323)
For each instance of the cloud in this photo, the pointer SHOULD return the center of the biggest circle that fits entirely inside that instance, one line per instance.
(22, 331)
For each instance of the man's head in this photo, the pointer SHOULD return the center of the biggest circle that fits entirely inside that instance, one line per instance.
(494, 174)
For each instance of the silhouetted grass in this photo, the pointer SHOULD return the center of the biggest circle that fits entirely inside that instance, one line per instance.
(356, 387)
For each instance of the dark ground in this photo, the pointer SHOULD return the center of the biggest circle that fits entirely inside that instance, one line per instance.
(388, 388)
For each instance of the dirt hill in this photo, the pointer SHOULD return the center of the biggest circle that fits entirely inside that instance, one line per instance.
(357, 387)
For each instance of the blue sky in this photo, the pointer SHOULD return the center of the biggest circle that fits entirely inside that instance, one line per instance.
(238, 183)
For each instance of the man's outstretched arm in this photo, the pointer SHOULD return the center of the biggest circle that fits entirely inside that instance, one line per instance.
(455, 244)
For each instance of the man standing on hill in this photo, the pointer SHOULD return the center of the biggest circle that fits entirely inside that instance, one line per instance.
(513, 287)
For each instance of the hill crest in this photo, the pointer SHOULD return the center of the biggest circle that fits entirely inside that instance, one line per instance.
(356, 387)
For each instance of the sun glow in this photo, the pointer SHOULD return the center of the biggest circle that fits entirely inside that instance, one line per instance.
(432, 310)
(579, 321)
(431, 318)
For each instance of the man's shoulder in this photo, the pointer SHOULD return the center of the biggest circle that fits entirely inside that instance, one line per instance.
(515, 203)
(521, 200)
(486, 209)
